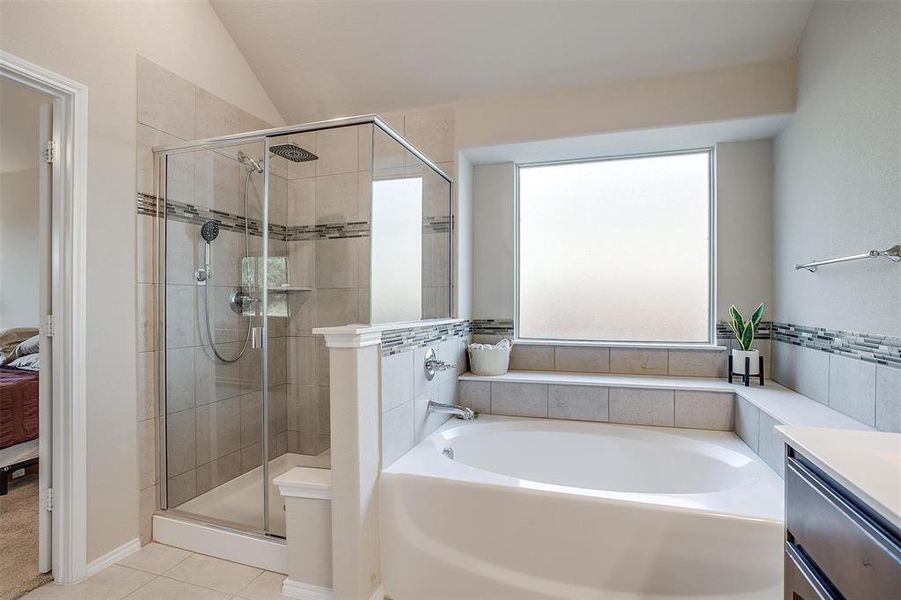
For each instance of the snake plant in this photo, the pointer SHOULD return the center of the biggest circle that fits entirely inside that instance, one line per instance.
(744, 330)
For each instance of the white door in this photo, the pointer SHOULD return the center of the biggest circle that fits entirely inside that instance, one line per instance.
(45, 402)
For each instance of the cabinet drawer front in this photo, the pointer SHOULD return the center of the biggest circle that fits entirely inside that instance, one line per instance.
(802, 582)
(854, 554)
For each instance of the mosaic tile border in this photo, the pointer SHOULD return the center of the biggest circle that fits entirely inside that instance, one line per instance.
(396, 341)
(879, 349)
(764, 330)
(197, 215)
(492, 326)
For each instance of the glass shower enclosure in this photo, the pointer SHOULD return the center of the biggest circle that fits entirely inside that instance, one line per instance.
(264, 236)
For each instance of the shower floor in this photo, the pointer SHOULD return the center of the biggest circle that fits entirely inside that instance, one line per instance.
(240, 500)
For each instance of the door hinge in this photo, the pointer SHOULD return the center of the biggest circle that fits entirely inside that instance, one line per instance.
(50, 152)
(47, 329)
(48, 500)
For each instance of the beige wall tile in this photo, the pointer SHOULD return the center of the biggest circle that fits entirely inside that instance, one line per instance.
(337, 150)
(532, 358)
(698, 363)
(165, 100)
(704, 410)
(638, 361)
(582, 359)
(581, 403)
(642, 407)
(519, 399)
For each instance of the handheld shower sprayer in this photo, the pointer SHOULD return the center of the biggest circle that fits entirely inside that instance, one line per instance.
(209, 231)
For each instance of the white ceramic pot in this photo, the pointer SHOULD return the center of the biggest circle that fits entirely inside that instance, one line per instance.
(738, 361)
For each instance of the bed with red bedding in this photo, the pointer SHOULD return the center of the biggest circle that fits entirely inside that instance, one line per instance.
(18, 406)
(18, 415)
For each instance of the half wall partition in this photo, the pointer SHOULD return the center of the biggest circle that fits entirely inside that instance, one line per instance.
(263, 237)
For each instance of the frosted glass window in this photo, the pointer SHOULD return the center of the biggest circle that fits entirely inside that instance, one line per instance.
(616, 250)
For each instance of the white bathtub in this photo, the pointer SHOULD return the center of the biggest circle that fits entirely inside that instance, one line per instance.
(533, 508)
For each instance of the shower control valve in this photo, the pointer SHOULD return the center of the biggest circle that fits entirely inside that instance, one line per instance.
(432, 365)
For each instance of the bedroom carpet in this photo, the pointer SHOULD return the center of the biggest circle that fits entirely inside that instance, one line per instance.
(19, 539)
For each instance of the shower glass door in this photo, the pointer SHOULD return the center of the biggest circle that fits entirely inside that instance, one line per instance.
(215, 242)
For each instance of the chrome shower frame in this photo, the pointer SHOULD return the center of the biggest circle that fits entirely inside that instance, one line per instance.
(263, 136)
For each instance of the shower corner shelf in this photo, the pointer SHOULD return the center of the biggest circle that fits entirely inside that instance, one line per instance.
(290, 288)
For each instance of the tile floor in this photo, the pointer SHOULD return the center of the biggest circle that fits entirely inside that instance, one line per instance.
(158, 572)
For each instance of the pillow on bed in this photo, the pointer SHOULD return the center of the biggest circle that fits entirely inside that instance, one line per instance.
(31, 362)
(30, 346)
(10, 338)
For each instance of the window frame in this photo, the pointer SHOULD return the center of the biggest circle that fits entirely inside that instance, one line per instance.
(710, 342)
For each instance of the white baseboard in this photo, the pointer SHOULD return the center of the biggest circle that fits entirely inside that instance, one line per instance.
(305, 591)
(113, 556)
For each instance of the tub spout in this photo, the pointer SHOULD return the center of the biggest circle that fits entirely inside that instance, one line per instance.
(461, 412)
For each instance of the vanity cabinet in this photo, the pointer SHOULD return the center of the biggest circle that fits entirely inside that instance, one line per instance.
(835, 545)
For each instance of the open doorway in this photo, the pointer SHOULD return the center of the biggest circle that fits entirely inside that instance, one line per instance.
(26, 117)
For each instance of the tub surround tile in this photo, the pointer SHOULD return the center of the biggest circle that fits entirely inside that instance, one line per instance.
(181, 488)
(747, 423)
(519, 399)
(179, 379)
(852, 388)
(582, 359)
(576, 402)
(338, 151)
(532, 358)
(476, 395)
(397, 432)
(812, 374)
(642, 407)
(770, 444)
(698, 363)
(148, 402)
(637, 361)
(785, 364)
(704, 410)
(888, 399)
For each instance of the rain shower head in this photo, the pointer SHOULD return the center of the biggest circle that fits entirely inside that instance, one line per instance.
(209, 231)
(293, 152)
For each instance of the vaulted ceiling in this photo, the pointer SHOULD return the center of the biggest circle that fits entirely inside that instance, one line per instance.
(327, 59)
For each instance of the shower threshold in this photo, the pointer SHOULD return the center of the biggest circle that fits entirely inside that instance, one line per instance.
(240, 500)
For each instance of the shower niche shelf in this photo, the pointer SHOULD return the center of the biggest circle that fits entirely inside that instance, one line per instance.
(289, 288)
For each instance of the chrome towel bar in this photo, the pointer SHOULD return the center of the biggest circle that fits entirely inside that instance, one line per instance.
(893, 253)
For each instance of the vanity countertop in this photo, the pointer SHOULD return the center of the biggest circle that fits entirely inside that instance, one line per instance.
(866, 463)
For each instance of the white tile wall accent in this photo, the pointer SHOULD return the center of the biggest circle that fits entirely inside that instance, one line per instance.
(888, 399)
(852, 388)
(397, 380)
(582, 359)
(425, 423)
(642, 407)
(519, 399)
(397, 432)
(420, 383)
(747, 423)
(704, 410)
(577, 402)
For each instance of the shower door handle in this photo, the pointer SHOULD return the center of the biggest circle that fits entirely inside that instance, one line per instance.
(256, 337)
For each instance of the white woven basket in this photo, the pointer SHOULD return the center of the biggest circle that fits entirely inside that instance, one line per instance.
(486, 359)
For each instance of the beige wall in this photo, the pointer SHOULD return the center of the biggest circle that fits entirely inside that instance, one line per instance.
(100, 52)
(838, 172)
(19, 243)
(703, 96)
